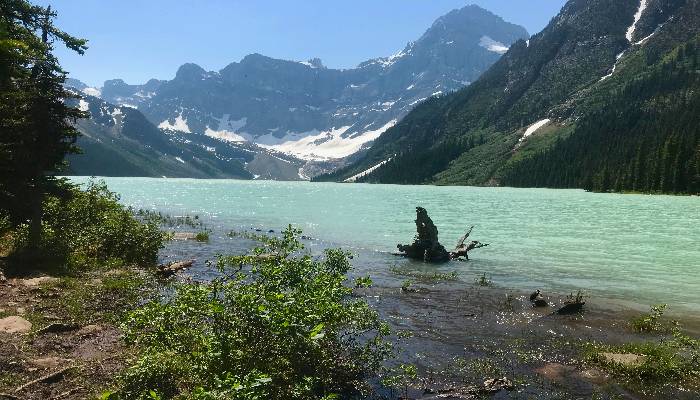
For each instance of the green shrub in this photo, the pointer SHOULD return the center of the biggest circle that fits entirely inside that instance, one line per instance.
(202, 236)
(650, 323)
(88, 228)
(483, 280)
(275, 327)
(674, 359)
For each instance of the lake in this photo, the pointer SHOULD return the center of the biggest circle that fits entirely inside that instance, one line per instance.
(633, 249)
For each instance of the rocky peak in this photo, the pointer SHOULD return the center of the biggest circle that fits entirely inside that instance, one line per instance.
(190, 71)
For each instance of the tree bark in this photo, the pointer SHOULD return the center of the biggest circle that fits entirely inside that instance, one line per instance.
(35, 223)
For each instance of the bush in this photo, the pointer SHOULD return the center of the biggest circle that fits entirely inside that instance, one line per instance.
(276, 325)
(650, 323)
(202, 236)
(88, 228)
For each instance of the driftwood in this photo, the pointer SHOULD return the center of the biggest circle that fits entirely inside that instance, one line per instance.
(46, 378)
(462, 250)
(426, 245)
(171, 268)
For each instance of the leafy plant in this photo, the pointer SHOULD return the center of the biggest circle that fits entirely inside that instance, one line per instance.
(651, 323)
(202, 236)
(401, 377)
(577, 298)
(363, 282)
(280, 326)
(483, 280)
(88, 228)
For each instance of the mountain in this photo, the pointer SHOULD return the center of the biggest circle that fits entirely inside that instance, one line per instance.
(120, 141)
(318, 115)
(604, 98)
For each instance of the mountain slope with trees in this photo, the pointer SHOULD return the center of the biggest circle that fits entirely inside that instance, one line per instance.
(557, 97)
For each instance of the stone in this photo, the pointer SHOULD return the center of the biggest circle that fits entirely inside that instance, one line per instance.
(36, 282)
(51, 362)
(571, 308)
(594, 376)
(15, 324)
(495, 385)
(21, 311)
(184, 236)
(556, 372)
(89, 330)
(627, 359)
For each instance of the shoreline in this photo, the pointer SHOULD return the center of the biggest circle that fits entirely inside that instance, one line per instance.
(458, 335)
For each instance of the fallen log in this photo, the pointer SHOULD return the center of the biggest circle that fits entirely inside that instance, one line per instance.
(167, 270)
(427, 247)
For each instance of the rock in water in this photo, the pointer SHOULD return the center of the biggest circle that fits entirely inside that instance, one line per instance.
(426, 245)
(571, 308)
(537, 299)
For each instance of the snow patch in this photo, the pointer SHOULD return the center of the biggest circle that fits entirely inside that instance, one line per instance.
(83, 105)
(180, 159)
(493, 45)
(225, 135)
(179, 125)
(534, 128)
(91, 91)
(411, 87)
(617, 58)
(302, 175)
(229, 130)
(637, 17)
(417, 101)
(321, 145)
(366, 172)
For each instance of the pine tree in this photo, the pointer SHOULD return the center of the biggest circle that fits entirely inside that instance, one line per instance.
(35, 121)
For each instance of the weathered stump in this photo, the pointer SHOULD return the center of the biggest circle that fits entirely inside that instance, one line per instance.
(427, 247)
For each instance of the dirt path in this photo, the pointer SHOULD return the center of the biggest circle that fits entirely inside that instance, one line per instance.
(59, 337)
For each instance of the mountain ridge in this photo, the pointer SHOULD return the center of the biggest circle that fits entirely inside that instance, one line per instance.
(312, 112)
(589, 52)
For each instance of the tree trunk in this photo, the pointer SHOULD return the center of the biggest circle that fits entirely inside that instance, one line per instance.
(35, 224)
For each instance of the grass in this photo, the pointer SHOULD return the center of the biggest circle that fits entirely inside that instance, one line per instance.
(425, 277)
(671, 358)
(84, 300)
(483, 280)
(202, 236)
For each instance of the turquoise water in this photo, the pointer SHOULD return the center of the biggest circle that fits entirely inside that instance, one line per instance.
(633, 248)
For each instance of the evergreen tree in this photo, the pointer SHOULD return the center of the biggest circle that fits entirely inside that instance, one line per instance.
(36, 130)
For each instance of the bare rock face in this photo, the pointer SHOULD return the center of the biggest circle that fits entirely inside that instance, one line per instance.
(15, 324)
(426, 245)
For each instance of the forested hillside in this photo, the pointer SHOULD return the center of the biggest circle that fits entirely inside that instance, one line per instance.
(599, 100)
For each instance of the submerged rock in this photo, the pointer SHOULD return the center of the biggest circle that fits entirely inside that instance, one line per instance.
(184, 236)
(537, 299)
(628, 359)
(571, 308)
(497, 384)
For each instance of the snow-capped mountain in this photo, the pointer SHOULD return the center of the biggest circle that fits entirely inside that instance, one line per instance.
(604, 98)
(311, 112)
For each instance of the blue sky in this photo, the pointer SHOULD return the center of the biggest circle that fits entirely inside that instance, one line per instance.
(140, 39)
